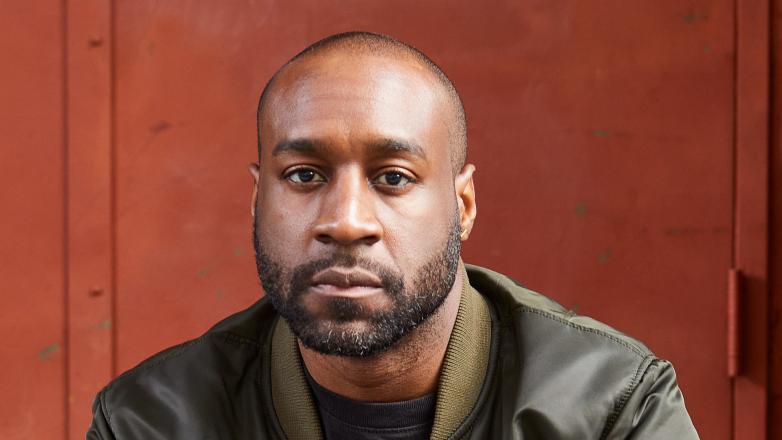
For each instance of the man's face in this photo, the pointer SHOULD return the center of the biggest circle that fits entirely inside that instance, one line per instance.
(357, 223)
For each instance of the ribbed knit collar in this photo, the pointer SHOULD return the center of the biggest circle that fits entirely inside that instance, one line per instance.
(461, 378)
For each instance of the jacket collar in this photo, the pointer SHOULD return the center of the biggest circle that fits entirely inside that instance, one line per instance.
(461, 378)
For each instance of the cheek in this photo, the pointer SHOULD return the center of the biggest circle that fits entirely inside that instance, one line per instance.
(282, 223)
(417, 229)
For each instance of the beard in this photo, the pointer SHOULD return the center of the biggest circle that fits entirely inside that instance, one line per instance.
(409, 305)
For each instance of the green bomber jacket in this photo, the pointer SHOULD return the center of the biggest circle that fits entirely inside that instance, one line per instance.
(517, 366)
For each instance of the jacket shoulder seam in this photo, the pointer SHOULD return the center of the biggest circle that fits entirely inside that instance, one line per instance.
(105, 409)
(151, 363)
(637, 351)
(176, 351)
(233, 337)
(619, 405)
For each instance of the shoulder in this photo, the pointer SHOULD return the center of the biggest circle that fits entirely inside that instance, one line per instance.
(242, 332)
(537, 314)
(571, 373)
(189, 383)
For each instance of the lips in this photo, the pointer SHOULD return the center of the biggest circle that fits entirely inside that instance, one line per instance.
(346, 278)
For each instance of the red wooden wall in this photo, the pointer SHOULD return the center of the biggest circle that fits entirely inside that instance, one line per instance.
(623, 167)
(33, 267)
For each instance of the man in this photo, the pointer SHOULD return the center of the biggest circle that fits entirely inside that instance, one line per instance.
(372, 327)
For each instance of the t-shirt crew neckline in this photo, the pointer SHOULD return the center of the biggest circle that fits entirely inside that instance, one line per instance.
(407, 417)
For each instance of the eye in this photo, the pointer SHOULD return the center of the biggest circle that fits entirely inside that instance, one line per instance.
(394, 179)
(304, 175)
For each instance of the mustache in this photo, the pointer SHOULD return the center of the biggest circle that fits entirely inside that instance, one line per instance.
(301, 276)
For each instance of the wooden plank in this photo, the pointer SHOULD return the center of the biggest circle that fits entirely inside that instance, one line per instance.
(751, 207)
(32, 233)
(90, 250)
(775, 251)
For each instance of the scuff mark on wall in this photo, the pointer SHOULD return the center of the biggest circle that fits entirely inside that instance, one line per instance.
(159, 127)
(693, 17)
(48, 351)
(581, 210)
(604, 256)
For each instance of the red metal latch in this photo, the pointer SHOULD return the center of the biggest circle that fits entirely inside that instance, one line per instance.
(734, 322)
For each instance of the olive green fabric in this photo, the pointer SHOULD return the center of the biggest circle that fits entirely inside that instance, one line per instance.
(293, 400)
(464, 368)
(465, 364)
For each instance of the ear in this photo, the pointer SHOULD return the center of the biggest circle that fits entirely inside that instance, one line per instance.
(465, 197)
(256, 173)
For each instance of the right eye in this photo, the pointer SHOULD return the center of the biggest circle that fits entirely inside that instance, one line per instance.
(304, 175)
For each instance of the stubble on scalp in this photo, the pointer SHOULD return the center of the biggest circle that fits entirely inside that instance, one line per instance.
(361, 43)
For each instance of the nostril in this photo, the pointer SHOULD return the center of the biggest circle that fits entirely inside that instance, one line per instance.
(371, 239)
(324, 238)
(332, 239)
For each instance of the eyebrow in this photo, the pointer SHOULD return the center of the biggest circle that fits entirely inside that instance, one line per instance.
(303, 146)
(396, 146)
(380, 147)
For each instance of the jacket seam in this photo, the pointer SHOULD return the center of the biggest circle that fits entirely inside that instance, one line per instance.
(233, 337)
(620, 404)
(144, 366)
(175, 352)
(179, 350)
(105, 409)
(584, 329)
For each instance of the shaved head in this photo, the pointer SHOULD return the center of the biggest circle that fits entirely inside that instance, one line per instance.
(366, 43)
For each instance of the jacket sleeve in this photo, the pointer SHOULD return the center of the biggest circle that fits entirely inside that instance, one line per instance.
(99, 429)
(655, 408)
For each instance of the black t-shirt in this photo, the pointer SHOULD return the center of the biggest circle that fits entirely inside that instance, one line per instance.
(345, 418)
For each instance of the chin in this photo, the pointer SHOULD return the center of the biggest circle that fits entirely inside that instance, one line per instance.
(358, 338)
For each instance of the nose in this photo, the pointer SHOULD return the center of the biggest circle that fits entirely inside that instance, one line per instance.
(347, 212)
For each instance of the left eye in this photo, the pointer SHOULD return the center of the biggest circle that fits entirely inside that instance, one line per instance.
(393, 178)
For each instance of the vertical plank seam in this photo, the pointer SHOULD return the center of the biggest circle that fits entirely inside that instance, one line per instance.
(769, 211)
(113, 185)
(774, 178)
(774, 432)
(65, 209)
(734, 187)
(739, 108)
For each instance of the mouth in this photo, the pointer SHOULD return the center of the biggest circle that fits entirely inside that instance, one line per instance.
(340, 282)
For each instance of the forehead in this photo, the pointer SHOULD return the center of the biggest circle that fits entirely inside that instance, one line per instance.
(356, 95)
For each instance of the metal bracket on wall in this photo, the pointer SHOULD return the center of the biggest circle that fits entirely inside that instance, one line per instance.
(734, 322)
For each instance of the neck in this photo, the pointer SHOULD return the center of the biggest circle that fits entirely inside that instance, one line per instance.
(409, 369)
